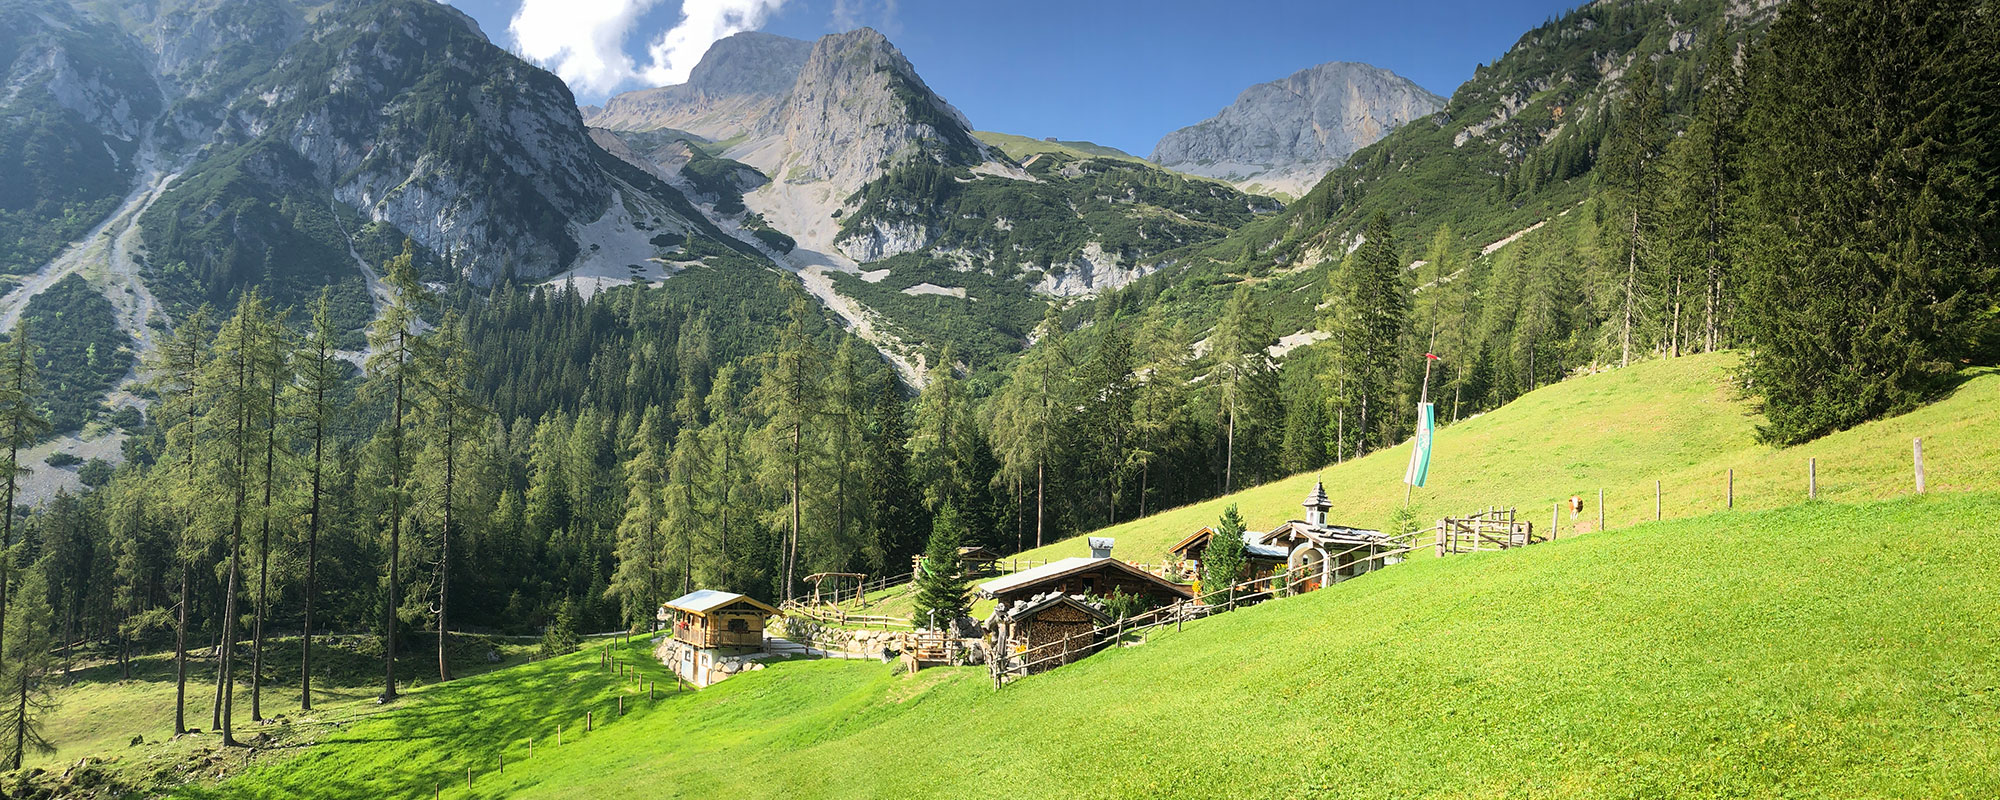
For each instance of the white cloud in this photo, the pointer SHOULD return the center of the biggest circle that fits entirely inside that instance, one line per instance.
(583, 41)
(703, 22)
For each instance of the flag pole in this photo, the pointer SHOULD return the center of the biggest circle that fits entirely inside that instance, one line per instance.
(1422, 398)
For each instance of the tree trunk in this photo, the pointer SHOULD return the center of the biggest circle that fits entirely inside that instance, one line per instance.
(264, 559)
(20, 718)
(444, 546)
(1631, 288)
(1229, 451)
(312, 539)
(395, 525)
(180, 656)
(227, 663)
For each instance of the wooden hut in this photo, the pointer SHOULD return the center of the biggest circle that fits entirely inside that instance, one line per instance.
(978, 560)
(714, 633)
(1048, 630)
(708, 619)
(973, 562)
(1097, 577)
(1259, 560)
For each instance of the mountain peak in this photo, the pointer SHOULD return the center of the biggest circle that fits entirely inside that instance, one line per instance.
(740, 80)
(857, 104)
(1285, 134)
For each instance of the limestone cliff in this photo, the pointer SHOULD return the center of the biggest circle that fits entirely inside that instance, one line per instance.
(740, 80)
(1283, 136)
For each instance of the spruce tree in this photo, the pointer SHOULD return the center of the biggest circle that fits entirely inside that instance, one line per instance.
(1223, 559)
(942, 596)
(638, 581)
(1873, 166)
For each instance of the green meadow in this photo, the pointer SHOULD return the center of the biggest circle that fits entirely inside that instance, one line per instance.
(1823, 650)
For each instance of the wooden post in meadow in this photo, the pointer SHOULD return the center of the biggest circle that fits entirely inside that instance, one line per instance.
(587, 721)
(1917, 450)
(1812, 479)
(1656, 501)
(1600, 510)
(468, 777)
(1732, 488)
(1555, 520)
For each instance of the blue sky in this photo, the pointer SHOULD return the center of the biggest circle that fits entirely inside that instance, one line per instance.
(1117, 73)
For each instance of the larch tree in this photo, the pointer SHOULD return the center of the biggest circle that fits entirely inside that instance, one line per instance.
(791, 396)
(274, 368)
(395, 374)
(175, 371)
(30, 665)
(22, 424)
(453, 421)
(320, 372)
(1629, 171)
(942, 437)
(1241, 374)
(236, 397)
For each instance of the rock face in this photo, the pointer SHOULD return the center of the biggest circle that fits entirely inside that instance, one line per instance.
(1285, 135)
(740, 80)
(401, 112)
(857, 105)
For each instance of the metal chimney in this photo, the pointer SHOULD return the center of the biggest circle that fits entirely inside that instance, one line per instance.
(1100, 546)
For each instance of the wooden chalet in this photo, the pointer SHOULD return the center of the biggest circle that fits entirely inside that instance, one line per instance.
(1097, 577)
(1259, 560)
(1048, 630)
(1311, 551)
(712, 620)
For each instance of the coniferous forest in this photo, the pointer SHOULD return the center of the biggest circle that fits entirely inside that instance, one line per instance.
(508, 458)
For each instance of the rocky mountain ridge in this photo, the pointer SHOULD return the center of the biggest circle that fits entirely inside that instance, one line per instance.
(740, 81)
(1283, 136)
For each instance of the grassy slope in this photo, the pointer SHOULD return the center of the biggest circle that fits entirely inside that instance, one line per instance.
(1823, 650)
(1020, 148)
(98, 714)
(1675, 421)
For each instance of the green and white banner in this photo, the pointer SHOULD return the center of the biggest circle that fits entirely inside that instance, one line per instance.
(1420, 457)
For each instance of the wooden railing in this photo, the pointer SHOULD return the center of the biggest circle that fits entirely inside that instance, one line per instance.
(840, 617)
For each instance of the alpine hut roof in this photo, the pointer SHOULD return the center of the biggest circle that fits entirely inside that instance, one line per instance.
(704, 601)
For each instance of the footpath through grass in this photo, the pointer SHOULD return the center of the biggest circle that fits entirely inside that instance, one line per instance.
(1823, 650)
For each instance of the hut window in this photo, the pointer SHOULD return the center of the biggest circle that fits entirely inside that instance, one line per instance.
(739, 625)
(1089, 585)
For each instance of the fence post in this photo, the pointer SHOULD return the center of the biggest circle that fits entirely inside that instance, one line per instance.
(1656, 501)
(621, 705)
(503, 763)
(1732, 488)
(1812, 479)
(587, 721)
(1555, 521)
(1600, 510)
(468, 777)
(1917, 448)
